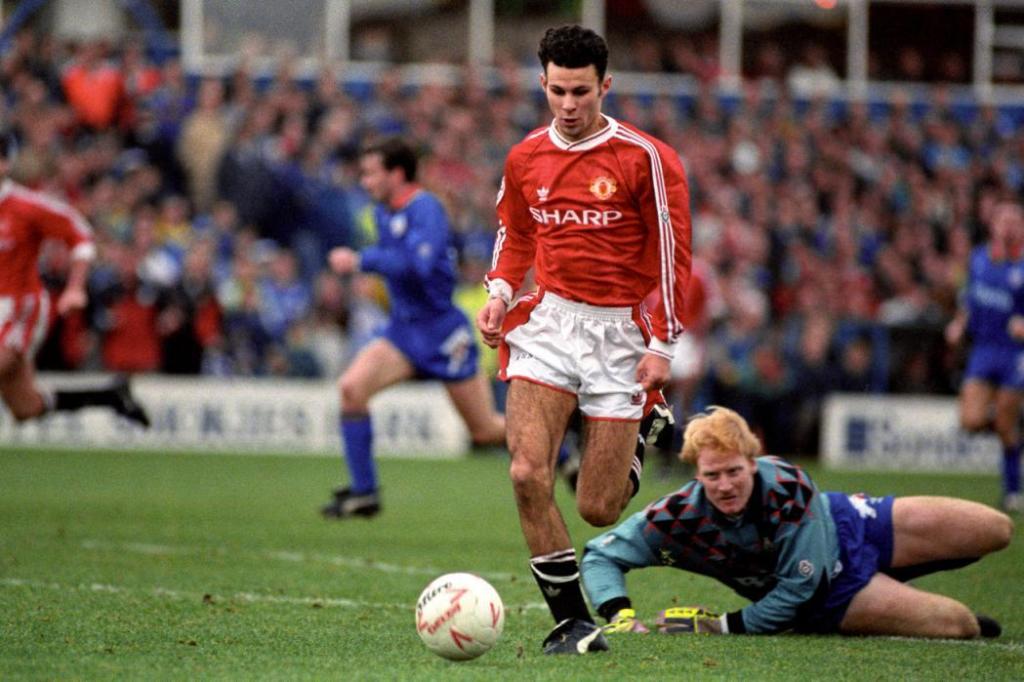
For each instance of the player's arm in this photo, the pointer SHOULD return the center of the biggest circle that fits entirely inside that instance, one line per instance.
(1015, 326)
(664, 200)
(806, 556)
(608, 558)
(426, 242)
(515, 244)
(58, 221)
(956, 327)
(74, 296)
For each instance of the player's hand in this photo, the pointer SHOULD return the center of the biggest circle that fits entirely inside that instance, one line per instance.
(489, 321)
(72, 298)
(1015, 327)
(343, 260)
(955, 330)
(625, 621)
(653, 371)
(688, 619)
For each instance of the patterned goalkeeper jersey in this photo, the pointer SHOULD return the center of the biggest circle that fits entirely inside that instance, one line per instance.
(780, 553)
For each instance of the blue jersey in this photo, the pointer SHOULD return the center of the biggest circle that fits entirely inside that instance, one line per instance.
(995, 293)
(416, 258)
(781, 553)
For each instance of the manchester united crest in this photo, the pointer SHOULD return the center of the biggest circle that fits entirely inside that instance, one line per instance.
(603, 187)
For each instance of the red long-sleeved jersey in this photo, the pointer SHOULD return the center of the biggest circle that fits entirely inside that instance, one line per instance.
(603, 221)
(27, 218)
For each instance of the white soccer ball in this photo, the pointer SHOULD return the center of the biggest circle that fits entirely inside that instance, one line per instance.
(459, 616)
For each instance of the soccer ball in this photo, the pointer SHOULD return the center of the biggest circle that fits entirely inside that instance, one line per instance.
(459, 616)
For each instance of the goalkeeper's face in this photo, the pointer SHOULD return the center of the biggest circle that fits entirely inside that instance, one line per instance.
(728, 479)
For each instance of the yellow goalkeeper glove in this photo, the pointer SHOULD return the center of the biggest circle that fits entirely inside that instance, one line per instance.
(685, 619)
(625, 621)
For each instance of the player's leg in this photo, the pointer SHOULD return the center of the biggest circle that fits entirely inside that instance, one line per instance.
(26, 400)
(537, 416)
(939, 533)
(474, 401)
(976, 399)
(374, 368)
(17, 386)
(604, 486)
(1007, 419)
(888, 607)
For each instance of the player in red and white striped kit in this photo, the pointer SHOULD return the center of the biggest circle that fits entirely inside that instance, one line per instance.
(27, 220)
(600, 210)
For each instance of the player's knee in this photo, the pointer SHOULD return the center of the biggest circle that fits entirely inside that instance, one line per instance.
(973, 423)
(353, 395)
(598, 513)
(23, 412)
(1000, 531)
(529, 481)
(491, 432)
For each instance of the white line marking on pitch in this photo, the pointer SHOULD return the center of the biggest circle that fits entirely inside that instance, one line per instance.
(282, 555)
(248, 597)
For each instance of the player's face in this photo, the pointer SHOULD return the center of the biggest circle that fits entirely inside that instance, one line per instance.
(728, 479)
(375, 178)
(575, 96)
(1007, 222)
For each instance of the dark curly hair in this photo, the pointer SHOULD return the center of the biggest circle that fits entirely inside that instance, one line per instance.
(573, 47)
(395, 153)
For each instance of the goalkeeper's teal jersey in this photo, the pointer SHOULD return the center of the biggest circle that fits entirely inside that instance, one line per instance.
(780, 554)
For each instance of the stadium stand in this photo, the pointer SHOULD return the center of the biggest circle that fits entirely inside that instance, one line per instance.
(836, 231)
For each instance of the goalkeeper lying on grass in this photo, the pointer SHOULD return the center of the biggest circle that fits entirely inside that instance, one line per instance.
(809, 561)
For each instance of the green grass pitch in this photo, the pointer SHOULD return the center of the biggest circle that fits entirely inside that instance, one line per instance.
(178, 566)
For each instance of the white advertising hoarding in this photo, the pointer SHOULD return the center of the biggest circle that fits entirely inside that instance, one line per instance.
(248, 415)
(909, 433)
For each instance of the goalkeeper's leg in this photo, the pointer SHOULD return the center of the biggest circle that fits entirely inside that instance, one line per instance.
(888, 607)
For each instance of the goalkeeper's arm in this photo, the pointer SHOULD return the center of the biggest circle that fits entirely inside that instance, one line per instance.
(606, 560)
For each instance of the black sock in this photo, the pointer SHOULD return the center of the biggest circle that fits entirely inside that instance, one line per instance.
(905, 573)
(69, 401)
(558, 576)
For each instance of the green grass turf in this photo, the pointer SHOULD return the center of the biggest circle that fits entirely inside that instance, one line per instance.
(177, 566)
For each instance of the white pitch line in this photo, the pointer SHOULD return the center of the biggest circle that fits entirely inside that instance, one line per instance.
(249, 597)
(283, 555)
(328, 602)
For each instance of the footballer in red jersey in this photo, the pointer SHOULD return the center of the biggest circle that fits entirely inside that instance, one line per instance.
(600, 211)
(27, 220)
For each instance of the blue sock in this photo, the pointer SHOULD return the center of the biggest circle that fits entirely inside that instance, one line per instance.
(1011, 469)
(357, 434)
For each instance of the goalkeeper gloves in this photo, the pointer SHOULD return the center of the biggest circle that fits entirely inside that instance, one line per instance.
(684, 619)
(625, 620)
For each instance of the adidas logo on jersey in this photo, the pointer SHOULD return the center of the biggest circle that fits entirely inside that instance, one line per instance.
(542, 194)
(585, 217)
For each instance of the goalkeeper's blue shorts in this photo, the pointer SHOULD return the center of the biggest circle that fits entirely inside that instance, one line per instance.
(865, 534)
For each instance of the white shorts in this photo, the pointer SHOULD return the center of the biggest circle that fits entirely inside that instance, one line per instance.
(24, 320)
(589, 351)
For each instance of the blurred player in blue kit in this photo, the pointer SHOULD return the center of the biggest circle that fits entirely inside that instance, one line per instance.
(810, 561)
(992, 316)
(427, 336)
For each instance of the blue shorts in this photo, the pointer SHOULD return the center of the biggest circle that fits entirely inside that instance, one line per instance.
(440, 348)
(997, 365)
(865, 535)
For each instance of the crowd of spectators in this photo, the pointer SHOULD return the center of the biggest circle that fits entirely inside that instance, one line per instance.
(833, 235)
